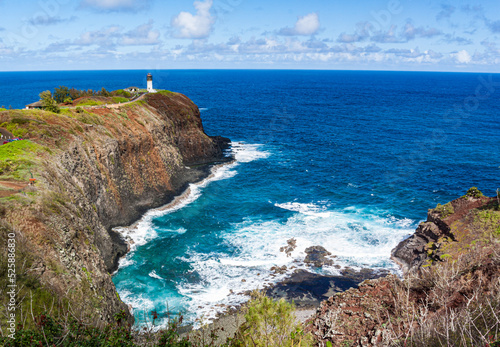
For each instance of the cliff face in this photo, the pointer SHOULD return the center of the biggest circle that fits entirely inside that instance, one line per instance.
(95, 169)
(452, 275)
(442, 226)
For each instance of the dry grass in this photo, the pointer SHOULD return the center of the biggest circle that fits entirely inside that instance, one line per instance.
(454, 303)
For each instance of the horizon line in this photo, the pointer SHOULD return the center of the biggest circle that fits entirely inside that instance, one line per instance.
(255, 69)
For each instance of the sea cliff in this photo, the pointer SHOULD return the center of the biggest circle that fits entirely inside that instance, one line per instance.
(94, 168)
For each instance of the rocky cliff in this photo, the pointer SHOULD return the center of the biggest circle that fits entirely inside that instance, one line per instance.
(95, 168)
(450, 294)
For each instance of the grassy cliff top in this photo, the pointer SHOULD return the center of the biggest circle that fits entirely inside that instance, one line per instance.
(45, 133)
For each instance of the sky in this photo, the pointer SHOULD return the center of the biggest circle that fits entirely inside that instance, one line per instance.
(411, 35)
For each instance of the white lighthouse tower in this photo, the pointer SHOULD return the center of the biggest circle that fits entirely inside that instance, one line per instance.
(150, 83)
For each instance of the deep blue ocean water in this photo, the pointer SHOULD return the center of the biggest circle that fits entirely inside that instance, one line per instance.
(350, 160)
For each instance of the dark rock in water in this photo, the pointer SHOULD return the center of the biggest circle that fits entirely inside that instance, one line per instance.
(289, 248)
(279, 270)
(307, 289)
(317, 256)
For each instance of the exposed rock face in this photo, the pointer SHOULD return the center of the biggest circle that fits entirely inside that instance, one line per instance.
(317, 256)
(411, 253)
(106, 168)
(353, 317)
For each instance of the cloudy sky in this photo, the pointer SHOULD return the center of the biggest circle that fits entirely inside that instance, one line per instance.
(279, 34)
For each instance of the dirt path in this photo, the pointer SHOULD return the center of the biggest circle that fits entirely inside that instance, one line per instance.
(112, 105)
(8, 188)
(124, 103)
(6, 133)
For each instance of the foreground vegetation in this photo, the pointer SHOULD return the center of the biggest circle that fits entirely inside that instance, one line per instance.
(266, 323)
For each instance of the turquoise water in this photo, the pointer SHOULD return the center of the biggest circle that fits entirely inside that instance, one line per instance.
(349, 160)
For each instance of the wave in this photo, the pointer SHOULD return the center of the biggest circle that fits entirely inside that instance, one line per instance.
(357, 238)
(307, 209)
(245, 153)
(143, 231)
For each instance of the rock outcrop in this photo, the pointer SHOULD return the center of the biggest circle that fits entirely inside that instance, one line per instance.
(452, 267)
(317, 256)
(98, 168)
(413, 252)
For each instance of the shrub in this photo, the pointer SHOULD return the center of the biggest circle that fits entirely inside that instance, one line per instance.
(445, 210)
(473, 192)
(270, 323)
(51, 332)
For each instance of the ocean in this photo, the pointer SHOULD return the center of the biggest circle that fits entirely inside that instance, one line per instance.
(350, 160)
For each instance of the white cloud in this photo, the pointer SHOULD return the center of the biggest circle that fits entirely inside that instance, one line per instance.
(102, 37)
(306, 25)
(115, 5)
(142, 35)
(198, 26)
(462, 57)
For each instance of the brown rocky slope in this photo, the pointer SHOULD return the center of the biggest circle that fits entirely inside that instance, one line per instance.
(96, 168)
(449, 296)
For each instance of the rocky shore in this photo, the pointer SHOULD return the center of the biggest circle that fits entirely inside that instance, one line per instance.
(451, 261)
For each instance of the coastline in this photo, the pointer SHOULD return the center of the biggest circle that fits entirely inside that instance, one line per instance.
(126, 233)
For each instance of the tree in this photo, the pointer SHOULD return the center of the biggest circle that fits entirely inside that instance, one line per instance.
(48, 102)
(61, 93)
(104, 92)
(74, 93)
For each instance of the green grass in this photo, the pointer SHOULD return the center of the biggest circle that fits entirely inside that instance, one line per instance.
(15, 126)
(490, 221)
(121, 92)
(165, 92)
(118, 99)
(90, 103)
(17, 157)
(2, 109)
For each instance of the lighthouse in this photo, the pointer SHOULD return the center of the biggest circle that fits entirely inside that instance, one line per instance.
(149, 79)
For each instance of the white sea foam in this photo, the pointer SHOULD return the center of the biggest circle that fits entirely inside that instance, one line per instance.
(307, 209)
(245, 153)
(203, 109)
(137, 301)
(356, 237)
(153, 274)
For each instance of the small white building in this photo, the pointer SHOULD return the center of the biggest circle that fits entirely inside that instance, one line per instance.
(149, 79)
(132, 89)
